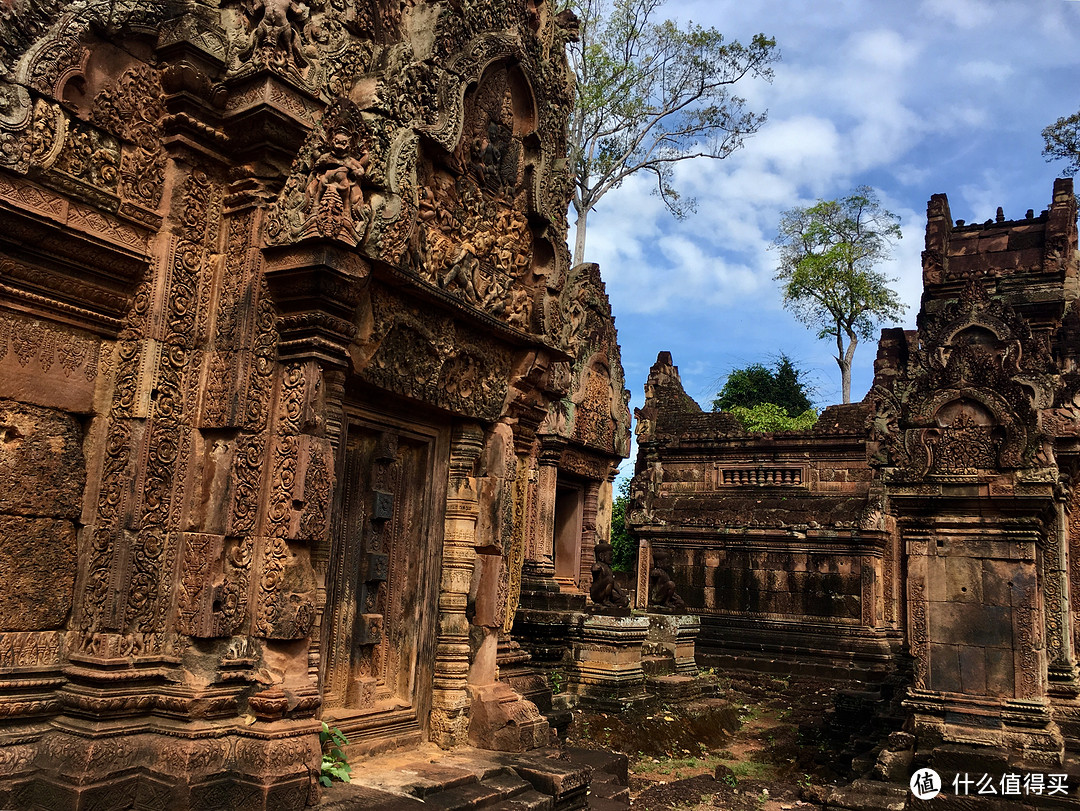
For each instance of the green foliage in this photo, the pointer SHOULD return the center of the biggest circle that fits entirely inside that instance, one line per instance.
(650, 94)
(757, 384)
(827, 256)
(624, 545)
(1062, 142)
(334, 764)
(557, 681)
(769, 418)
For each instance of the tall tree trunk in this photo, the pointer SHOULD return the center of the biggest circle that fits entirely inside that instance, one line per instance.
(579, 238)
(845, 365)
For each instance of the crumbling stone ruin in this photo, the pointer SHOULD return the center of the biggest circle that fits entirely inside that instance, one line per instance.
(300, 398)
(931, 528)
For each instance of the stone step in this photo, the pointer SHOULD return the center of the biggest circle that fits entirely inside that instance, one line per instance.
(869, 795)
(610, 789)
(609, 782)
(542, 780)
(565, 781)
(601, 762)
(604, 804)
(529, 801)
(658, 665)
(486, 794)
(442, 788)
(354, 797)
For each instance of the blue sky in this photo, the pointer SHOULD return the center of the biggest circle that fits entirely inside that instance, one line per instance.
(912, 97)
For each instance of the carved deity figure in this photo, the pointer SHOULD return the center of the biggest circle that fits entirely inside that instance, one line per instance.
(661, 585)
(520, 309)
(276, 26)
(338, 172)
(604, 591)
(275, 31)
(463, 271)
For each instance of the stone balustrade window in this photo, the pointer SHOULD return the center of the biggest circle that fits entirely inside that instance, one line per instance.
(760, 477)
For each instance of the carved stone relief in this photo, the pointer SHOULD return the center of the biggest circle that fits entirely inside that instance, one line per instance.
(474, 239)
(429, 357)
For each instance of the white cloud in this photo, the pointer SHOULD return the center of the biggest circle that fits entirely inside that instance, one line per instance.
(883, 50)
(980, 70)
(939, 96)
(961, 13)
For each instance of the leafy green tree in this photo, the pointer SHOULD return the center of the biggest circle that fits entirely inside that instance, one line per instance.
(769, 418)
(757, 384)
(827, 256)
(624, 545)
(650, 94)
(1062, 142)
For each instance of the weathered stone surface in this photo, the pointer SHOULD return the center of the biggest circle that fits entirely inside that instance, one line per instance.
(41, 461)
(37, 567)
(290, 336)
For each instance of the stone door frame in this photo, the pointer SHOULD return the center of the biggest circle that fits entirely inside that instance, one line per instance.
(379, 729)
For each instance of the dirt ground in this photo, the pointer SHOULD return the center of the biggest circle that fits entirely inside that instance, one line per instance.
(755, 746)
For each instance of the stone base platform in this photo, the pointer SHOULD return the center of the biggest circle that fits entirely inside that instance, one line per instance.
(823, 651)
(673, 689)
(542, 780)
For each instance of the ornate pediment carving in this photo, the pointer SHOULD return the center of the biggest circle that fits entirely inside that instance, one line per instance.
(328, 191)
(967, 397)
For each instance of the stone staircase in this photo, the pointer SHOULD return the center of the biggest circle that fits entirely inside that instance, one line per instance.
(542, 780)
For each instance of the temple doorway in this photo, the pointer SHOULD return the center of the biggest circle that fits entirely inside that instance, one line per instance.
(569, 515)
(383, 580)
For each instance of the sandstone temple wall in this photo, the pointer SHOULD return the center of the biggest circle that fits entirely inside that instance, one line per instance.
(770, 538)
(929, 527)
(295, 379)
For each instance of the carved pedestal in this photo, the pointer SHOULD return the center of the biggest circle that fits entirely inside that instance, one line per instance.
(672, 637)
(607, 671)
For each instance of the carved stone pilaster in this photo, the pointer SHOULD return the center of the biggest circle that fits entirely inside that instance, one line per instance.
(589, 537)
(539, 568)
(450, 701)
(322, 553)
(1061, 667)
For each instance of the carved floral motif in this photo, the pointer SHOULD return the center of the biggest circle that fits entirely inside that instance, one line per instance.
(132, 107)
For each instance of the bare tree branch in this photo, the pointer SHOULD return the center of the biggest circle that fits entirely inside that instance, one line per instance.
(651, 94)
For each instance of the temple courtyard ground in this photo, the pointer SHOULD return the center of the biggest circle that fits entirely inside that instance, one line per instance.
(749, 743)
(760, 744)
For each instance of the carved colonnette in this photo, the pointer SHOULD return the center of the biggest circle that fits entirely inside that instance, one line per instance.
(284, 293)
